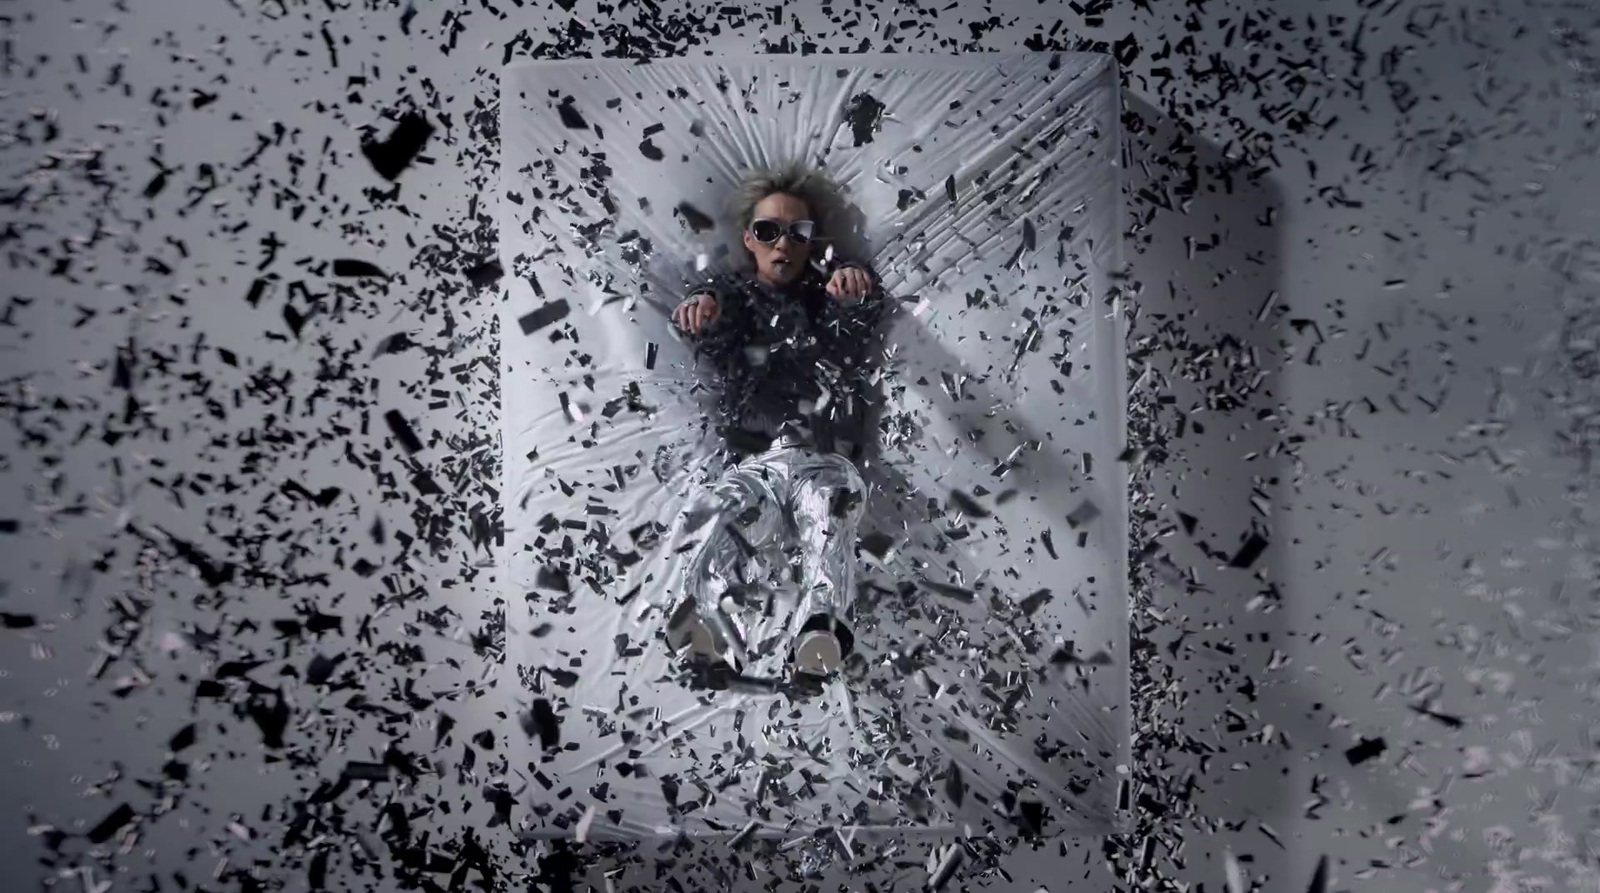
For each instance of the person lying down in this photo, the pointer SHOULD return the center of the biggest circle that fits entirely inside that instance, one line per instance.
(789, 343)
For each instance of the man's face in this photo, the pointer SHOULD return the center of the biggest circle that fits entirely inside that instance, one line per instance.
(782, 261)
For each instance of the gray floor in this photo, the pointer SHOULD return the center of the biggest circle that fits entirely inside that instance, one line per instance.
(1381, 354)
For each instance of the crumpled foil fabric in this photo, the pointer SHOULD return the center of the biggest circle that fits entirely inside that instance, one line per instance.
(790, 512)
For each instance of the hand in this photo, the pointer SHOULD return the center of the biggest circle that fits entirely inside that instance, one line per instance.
(849, 284)
(696, 313)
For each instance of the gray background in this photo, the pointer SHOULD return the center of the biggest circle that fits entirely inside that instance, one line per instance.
(1411, 415)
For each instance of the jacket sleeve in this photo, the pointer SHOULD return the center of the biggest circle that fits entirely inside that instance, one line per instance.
(726, 336)
(858, 265)
(715, 284)
(863, 315)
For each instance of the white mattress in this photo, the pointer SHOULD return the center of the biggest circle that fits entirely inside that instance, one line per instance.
(966, 697)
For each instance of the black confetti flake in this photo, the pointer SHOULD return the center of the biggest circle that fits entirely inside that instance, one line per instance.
(553, 578)
(295, 319)
(401, 429)
(182, 740)
(954, 786)
(957, 593)
(321, 668)
(1084, 513)
(399, 342)
(549, 314)
(696, 219)
(1319, 877)
(1367, 749)
(967, 505)
(258, 289)
(156, 185)
(394, 154)
(485, 274)
(864, 114)
(541, 722)
(570, 118)
(212, 573)
(1126, 50)
(1444, 719)
(1030, 817)
(111, 824)
(877, 544)
(424, 484)
(349, 267)
(356, 770)
(271, 716)
(317, 873)
(1249, 552)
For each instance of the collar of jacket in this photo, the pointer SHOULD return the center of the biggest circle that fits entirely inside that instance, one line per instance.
(806, 279)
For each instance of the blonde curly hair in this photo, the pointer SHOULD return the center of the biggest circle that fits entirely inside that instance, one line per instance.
(814, 187)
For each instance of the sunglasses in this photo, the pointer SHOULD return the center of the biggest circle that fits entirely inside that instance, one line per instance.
(767, 231)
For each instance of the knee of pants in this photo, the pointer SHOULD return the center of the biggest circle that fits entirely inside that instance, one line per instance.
(838, 471)
(850, 479)
(742, 508)
(732, 496)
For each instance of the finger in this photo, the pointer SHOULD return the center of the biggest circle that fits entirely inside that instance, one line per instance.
(833, 286)
(862, 283)
(698, 315)
(678, 316)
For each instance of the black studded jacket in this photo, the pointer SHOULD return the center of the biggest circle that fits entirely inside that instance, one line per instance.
(792, 360)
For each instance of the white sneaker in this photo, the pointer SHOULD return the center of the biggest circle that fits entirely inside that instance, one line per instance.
(688, 632)
(818, 653)
(701, 640)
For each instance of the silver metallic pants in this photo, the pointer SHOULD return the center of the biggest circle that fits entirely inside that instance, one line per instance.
(792, 501)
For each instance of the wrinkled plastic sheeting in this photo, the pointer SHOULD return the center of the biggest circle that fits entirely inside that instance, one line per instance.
(992, 619)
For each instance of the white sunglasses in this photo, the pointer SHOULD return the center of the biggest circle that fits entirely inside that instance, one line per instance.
(767, 231)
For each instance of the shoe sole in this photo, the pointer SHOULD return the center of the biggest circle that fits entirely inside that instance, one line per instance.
(818, 653)
(701, 641)
(697, 644)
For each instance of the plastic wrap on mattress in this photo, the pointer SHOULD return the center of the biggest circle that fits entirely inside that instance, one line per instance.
(989, 685)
